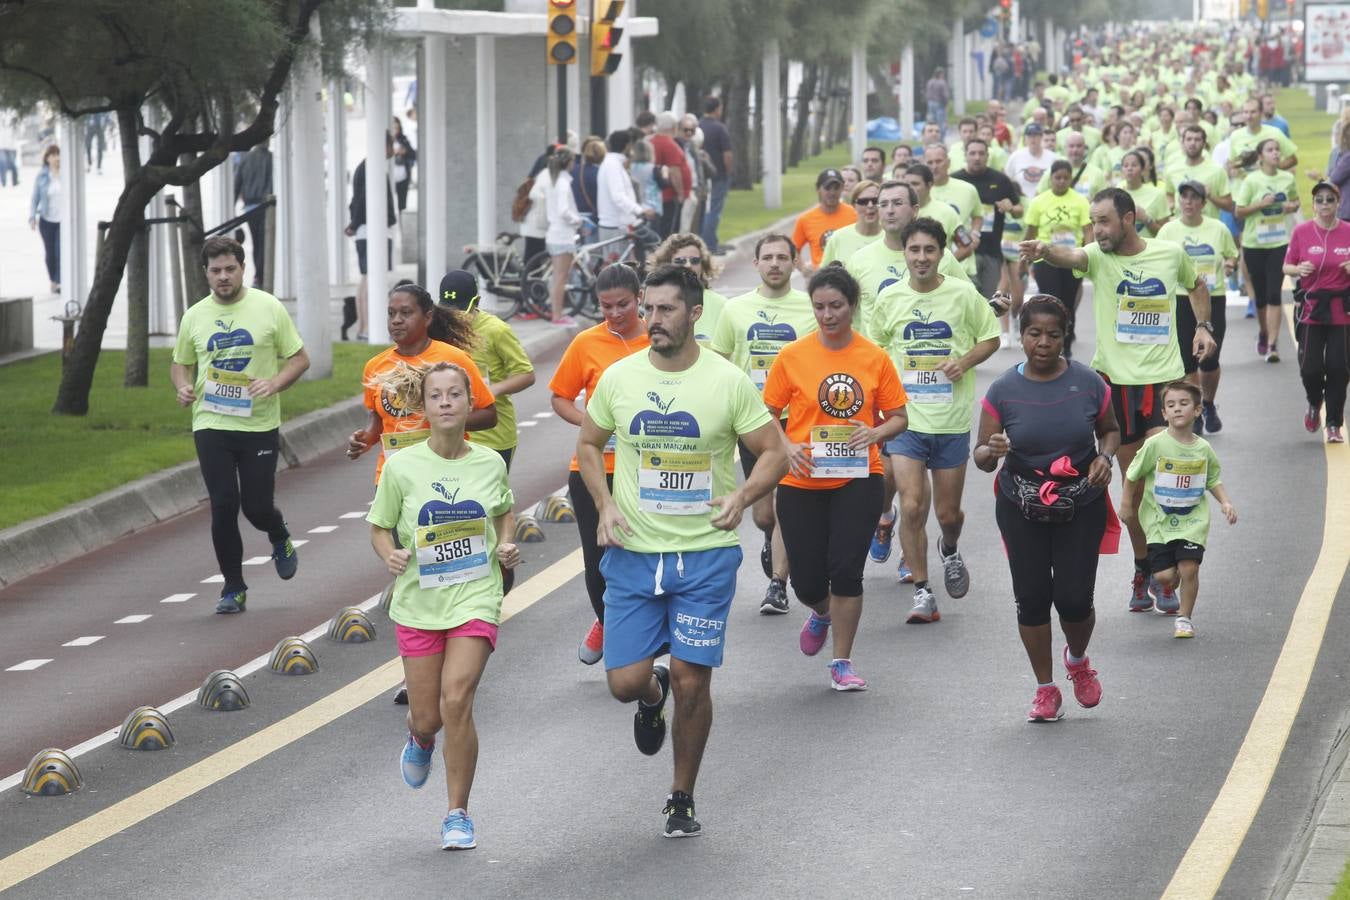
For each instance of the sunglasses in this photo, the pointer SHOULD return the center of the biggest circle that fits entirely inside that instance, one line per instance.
(688, 130)
(865, 201)
(1325, 198)
(687, 260)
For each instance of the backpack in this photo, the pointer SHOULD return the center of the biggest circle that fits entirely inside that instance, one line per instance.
(520, 205)
(1001, 66)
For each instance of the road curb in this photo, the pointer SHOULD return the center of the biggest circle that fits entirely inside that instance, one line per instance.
(1327, 843)
(30, 547)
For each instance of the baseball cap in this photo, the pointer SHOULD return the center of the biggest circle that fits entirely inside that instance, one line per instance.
(459, 290)
(1190, 184)
(1326, 186)
(828, 175)
(1034, 128)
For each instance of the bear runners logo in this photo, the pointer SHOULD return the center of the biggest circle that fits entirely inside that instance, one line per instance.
(840, 396)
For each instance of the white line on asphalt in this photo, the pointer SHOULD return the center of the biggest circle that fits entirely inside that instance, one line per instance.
(527, 423)
(178, 598)
(28, 665)
(257, 560)
(323, 529)
(214, 579)
(543, 415)
(84, 641)
(133, 620)
(352, 515)
(300, 543)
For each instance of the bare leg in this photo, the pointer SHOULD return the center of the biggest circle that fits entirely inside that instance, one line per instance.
(692, 687)
(562, 264)
(948, 486)
(635, 682)
(844, 613)
(911, 478)
(1189, 571)
(465, 659)
(1273, 319)
(1209, 384)
(1077, 634)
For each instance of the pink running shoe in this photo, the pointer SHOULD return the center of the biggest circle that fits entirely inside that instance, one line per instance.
(1045, 706)
(843, 678)
(813, 634)
(1087, 690)
(592, 648)
(1312, 419)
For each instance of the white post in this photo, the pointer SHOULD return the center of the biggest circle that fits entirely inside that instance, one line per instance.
(338, 191)
(161, 313)
(619, 86)
(486, 109)
(957, 48)
(576, 74)
(1048, 45)
(1015, 23)
(858, 99)
(309, 264)
(284, 173)
(222, 184)
(433, 196)
(773, 129)
(75, 267)
(907, 93)
(377, 198)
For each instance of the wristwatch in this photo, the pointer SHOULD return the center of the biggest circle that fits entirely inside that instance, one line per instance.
(1109, 457)
(1207, 325)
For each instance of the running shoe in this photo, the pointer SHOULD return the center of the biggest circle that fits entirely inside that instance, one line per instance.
(775, 602)
(1183, 628)
(766, 558)
(285, 559)
(416, 763)
(843, 678)
(925, 608)
(563, 321)
(1210, 413)
(1312, 419)
(1164, 598)
(1274, 355)
(230, 603)
(679, 813)
(1045, 705)
(401, 695)
(649, 722)
(1334, 435)
(1198, 426)
(1087, 690)
(1251, 308)
(882, 538)
(813, 634)
(906, 575)
(457, 831)
(592, 648)
(1140, 601)
(955, 576)
(1262, 348)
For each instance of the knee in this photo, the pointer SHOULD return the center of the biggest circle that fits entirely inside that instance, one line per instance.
(950, 517)
(690, 683)
(762, 514)
(424, 721)
(912, 511)
(457, 702)
(1033, 612)
(627, 687)
(225, 500)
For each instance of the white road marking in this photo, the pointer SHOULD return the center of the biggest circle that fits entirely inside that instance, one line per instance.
(527, 423)
(214, 579)
(133, 620)
(179, 598)
(84, 641)
(543, 415)
(300, 543)
(323, 529)
(28, 665)
(257, 560)
(352, 515)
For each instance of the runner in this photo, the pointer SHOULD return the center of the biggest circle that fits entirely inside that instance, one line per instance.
(1087, 179)
(1064, 216)
(920, 178)
(1265, 202)
(1195, 167)
(1050, 421)
(449, 501)
(753, 329)
(670, 522)
(1001, 201)
(1319, 256)
(961, 196)
(687, 249)
(815, 226)
(936, 329)
(1173, 470)
(1150, 201)
(843, 397)
(1210, 246)
(852, 238)
(590, 354)
(236, 351)
(1135, 282)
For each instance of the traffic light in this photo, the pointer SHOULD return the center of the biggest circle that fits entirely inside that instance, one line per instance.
(1263, 9)
(562, 32)
(1244, 8)
(605, 35)
(1005, 10)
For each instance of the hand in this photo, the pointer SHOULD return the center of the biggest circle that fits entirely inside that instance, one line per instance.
(1000, 303)
(733, 507)
(508, 555)
(1267, 199)
(612, 527)
(359, 443)
(1229, 266)
(952, 369)
(863, 437)
(259, 388)
(1030, 251)
(1204, 345)
(1099, 473)
(1290, 206)
(1004, 205)
(999, 445)
(32, 224)
(1229, 512)
(650, 214)
(1345, 267)
(186, 395)
(350, 231)
(799, 460)
(1306, 268)
(397, 560)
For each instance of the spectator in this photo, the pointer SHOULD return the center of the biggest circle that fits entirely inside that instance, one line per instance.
(534, 224)
(689, 143)
(252, 187)
(563, 222)
(717, 144)
(938, 95)
(643, 171)
(586, 185)
(95, 141)
(356, 228)
(616, 201)
(9, 150)
(646, 122)
(405, 157)
(672, 172)
(45, 212)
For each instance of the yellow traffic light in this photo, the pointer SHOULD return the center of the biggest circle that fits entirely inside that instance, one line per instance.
(605, 35)
(1244, 8)
(1263, 9)
(562, 32)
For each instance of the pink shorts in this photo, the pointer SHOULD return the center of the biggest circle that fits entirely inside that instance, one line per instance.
(420, 642)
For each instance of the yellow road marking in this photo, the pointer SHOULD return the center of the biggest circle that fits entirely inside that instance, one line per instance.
(1202, 869)
(42, 855)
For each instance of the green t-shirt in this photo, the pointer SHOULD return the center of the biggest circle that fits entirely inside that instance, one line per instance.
(1207, 244)
(1057, 219)
(499, 355)
(753, 329)
(877, 267)
(844, 243)
(922, 331)
(964, 199)
(1269, 226)
(1134, 304)
(1176, 477)
(1092, 137)
(1089, 183)
(1207, 173)
(1242, 142)
(442, 510)
(1151, 201)
(952, 222)
(232, 344)
(676, 435)
(706, 326)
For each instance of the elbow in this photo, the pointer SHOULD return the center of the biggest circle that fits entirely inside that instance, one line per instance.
(482, 419)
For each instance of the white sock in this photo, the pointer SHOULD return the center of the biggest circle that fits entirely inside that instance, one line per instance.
(1047, 684)
(1074, 660)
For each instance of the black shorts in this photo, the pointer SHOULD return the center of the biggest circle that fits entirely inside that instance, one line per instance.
(506, 455)
(748, 459)
(1138, 407)
(827, 534)
(361, 255)
(1186, 334)
(1165, 556)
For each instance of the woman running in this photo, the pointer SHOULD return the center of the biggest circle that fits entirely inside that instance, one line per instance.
(1150, 201)
(1319, 256)
(437, 523)
(836, 386)
(688, 250)
(1050, 420)
(1063, 216)
(1264, 203)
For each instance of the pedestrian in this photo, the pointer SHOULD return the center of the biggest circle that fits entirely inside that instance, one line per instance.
(586, 186)
(1064, 217)
(1049, 423)
(852, 238)
(645, 184)
(689, 142)
(534, 217)
(1338, 172)
(356, 228)
(843, 398)
(447, 502)
(252, 188)
(1172, 472)
(617, 205)
(236, 351)
(1319, 257)
(95, 141)
(673, 173)
(44, 212)
(1000, 200)
(937, 95)
(563, 222)
(816, 225)
(687, 249)
(1265, 203)
(9, 150)
(669, 523)
(591, 352)
(717, 144)
(405, 158)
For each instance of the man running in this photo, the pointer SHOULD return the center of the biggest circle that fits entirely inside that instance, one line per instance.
(1000, 200)
(670, 522)
(815, 226)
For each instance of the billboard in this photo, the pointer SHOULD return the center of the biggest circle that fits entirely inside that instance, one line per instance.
(1326, 45)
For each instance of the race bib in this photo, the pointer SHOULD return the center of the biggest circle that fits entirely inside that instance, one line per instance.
(400, 440)
(1064, 239)
(1272, 230)
(226, 393)
(1143, 320)
(1208, 270)
(924, 380)
(760, 364)
(451, 553)
(987, 219)
(1179, 484)
(833, 457)
(674, 484)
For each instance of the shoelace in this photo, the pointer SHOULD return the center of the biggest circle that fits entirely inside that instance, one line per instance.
(457, 822)
(1082, 674)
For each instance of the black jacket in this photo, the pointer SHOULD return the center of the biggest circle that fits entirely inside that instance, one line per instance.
(356, 210)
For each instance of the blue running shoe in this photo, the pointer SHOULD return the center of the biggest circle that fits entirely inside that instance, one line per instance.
(285, 558)
(457, 831)
(230, 603)
(906, 576)
(416, 764)
(1140, 601)
(1165, 599)
(882, 538)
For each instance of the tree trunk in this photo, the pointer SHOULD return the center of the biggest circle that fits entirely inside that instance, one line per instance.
(742, 137)
(842, 114)
(783, 125)
(797, 149)
(887, 104)
(757, 147)
(137, 370)
(193, 273)
(820, 122)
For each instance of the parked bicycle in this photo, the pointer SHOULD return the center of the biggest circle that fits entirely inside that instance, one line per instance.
(587, 261)
(501, 272)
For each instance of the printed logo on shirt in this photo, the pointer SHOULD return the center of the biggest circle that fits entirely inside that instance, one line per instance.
(661, 422)
(922, 329)
(231, 348)
(897, 274)
(451, 509)
(1137, 284)
(840, 396)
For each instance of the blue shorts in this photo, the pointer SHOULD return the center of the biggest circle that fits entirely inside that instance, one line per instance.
(936, 451)
(679, 600)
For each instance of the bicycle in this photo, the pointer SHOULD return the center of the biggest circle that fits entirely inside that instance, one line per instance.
(501, 272)
(587, 260)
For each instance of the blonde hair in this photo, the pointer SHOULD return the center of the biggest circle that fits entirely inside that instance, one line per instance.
(406, 383)
(666, 252)
(860, 187)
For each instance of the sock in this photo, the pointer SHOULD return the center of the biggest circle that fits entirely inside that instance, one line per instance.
(779, 581)
(1046, 684)
(427, 745)
(944, 549)
(920, 584)
(1074, 660)
(819, 618)
(888, 515)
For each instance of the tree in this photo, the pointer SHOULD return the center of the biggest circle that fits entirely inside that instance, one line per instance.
(213, 71)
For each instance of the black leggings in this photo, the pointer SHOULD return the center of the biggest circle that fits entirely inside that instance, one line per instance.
(1218, 315)
(51, 247)
(1052, 565)
(588, 520)
(827, 533)
(1061, 284)
(1266, 267)
(1324, 365)
(240, 471)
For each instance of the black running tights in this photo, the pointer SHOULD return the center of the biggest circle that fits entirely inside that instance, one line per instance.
(240, 469)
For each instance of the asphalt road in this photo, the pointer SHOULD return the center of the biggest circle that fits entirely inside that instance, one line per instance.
(930, 784)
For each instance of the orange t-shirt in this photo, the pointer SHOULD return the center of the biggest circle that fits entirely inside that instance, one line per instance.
(823, 388)
(815, 226)
(393, 417)
(585, 359)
